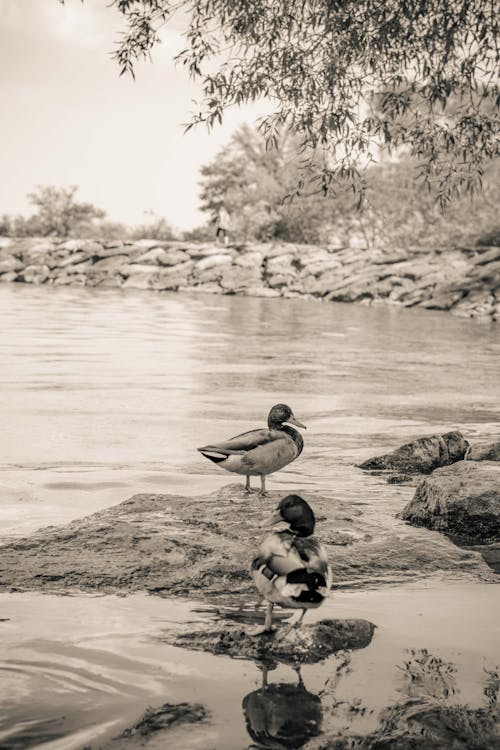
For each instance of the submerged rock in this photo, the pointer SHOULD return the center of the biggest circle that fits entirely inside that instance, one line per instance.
(423, 455)
(166, 716)
(309, 644)
(462, 500)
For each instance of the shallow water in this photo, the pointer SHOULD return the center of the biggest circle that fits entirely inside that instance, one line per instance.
(87, 667)
(106, 394)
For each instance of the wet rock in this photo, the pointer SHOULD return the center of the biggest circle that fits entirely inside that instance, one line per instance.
(462, 500)
(484, 452)
(423, 455)
(201, 547)
(165, 717)
(308, 645)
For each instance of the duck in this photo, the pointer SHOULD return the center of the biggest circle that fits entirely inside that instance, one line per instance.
(260, 452)
(291, 568)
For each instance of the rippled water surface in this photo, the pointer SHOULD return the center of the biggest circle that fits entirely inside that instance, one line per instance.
(106, 394)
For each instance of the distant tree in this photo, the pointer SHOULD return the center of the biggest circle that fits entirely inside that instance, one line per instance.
(347, 77)
(59, 214)
(252, 184)
(157, 229)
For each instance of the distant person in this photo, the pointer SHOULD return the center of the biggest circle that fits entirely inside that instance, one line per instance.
(223, 222)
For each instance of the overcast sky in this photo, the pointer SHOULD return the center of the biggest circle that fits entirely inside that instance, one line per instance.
(68, 118)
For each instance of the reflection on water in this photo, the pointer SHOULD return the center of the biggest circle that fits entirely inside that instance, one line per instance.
(282, 715)
(107, 393)
(84, 669)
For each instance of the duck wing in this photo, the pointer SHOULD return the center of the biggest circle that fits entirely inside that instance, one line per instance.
(247, 441)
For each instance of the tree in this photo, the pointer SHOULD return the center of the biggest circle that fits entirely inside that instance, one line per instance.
(347, 76)
(250, 183)
(59, 214)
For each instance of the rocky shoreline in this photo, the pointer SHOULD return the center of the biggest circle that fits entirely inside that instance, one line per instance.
(465, 281)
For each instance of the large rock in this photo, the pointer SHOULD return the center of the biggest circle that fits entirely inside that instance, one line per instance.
(484, 452)
(423, 455)
(201, 547)
(462, 500)
(308, 645)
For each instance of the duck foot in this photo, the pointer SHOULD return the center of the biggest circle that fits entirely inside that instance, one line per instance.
(261, 631)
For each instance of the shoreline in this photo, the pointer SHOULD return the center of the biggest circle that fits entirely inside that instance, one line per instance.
(463, 280)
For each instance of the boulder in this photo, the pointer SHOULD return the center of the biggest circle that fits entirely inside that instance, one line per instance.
(421, 456)
(462, 500)
(10, 263)
(307, 645)
(172, 257)
(10, 276)
(484, 452)
(35, 274)
(112, 263)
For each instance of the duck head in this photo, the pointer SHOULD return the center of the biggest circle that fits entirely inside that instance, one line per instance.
(293, 511)
(281, 413)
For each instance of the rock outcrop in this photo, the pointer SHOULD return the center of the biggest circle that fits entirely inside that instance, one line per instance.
(422, 455)
(462, 500)
(463, 280)
(201, 547)
(484, 452)
(310, 644)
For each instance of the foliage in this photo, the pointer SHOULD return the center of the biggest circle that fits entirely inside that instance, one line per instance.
(346, 77)
(252, 184)
(59, 214)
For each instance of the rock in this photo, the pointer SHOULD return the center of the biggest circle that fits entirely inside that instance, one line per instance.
(152, 256)
(250, 259)
(141, 269)
(35, 274)
(7, 277)
(201, 547)
(73, 259)
(308, 645)
(462, 500)
(111, 264)
(165, 717)
(484, 452)
(173, 257)
(11, 263)
(213, 260)
(423, 455)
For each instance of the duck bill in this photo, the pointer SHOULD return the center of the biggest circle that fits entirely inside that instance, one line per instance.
(272, 520)
(295, 421)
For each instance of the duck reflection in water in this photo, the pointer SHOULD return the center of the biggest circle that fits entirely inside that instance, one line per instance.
(282, 716)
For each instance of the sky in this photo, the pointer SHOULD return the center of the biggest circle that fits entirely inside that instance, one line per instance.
(68, 118)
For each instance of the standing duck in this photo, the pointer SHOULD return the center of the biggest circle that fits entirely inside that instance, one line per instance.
(291, 568)
(260, 452)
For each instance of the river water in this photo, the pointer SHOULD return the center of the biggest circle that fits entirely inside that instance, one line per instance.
(106, 394)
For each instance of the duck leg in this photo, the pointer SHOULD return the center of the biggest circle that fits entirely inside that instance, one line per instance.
(248, 489)
(293, 626)
(268, 622)
(263, 492)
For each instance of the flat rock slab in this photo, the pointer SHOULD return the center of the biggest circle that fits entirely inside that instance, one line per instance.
(484, 452)
(308, 645)
(462, 500)
(423, 455)
(201, 547)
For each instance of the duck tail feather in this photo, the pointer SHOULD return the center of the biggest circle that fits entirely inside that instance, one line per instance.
(213, 457)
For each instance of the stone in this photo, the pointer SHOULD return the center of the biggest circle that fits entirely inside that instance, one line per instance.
(111, 264)
(173, 257)
(35, 274)
(213, 260)
(421, 456)
(8, 277)
(164, 717)
(307, 645)
(73, 259)
(484, 452)
(11, 263)
(261, 291)
(249, 259)
(152, 256)
(143, 269)
(462, 500)
(137, 281)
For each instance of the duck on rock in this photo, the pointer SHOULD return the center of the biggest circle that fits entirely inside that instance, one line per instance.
(260, 452)
(291, 567)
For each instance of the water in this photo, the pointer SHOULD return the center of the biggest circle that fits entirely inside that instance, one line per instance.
(106, 394)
